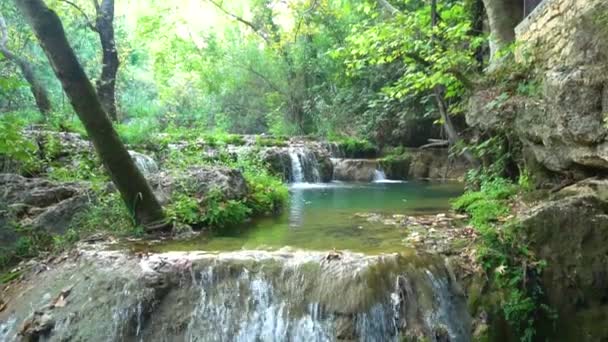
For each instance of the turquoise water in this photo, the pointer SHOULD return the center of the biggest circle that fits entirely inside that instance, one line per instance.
(328, 216)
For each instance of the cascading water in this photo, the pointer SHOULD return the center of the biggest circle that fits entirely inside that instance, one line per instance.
(297, 176)
(144, 163)
(379, 175)
(248, 296)
(304, 166)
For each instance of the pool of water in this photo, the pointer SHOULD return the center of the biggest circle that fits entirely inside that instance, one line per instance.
(325, 216)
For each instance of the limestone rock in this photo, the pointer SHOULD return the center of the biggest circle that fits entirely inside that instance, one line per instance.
(43, 204)
(200, 181)
(355, 170)
(571, 235)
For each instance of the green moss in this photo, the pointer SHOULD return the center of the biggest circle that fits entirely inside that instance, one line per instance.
(271, 141)
(357, 148)
(503, 252)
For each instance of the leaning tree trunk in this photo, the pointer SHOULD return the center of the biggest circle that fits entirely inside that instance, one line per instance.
(106, 85)
(132, 185)
(442, 106)
(38, 91)
(503, 16)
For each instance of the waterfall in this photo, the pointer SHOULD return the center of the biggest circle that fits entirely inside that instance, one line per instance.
(334, 149)
(144, 163)
(379, 175)
(249, 296)
(297, 176)
(304, 165)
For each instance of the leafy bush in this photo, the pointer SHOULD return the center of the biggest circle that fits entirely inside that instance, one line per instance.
(184, 208)
(356, 148)
(17, 153)
(108, 214)
(220, 213)
(267, 194)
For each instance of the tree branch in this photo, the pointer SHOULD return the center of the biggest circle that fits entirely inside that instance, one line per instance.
(254, 27)
(3, 33)
(84, 14)
(387, 6)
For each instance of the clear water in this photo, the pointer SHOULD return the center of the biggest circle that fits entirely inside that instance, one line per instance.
(325, 217)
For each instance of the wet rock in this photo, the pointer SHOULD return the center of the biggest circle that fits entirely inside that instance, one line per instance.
(146, 164)
(278, 161)
(37, 326)
(435, 164)
(253, 295)
(355, 170)
(313, 159)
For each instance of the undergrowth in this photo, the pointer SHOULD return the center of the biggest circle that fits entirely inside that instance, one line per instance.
(503, 251)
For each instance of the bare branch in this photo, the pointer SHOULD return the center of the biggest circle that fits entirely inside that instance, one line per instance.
(255, 28)
(84, 14)
(387, 6)
(3, 33)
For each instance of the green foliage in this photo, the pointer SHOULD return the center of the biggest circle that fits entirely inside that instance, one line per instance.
(184, 208)
(16, 151)
(139, 132)
(504, 254)
(267, 193)
(108, 214)
(357, 148)
(278, 141)
(220, 213)
(82, 167)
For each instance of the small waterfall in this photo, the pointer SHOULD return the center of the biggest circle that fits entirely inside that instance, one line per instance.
(304, 166)
(144, 163)
(297, 176)
(379, 175)
(251, 296)
(334, 149)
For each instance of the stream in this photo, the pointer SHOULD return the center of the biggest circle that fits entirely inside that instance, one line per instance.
(318, 272)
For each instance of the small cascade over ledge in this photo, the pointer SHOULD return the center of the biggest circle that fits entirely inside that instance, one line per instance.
(245, 296)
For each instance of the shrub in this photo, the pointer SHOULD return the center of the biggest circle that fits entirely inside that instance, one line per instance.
(220, 213)
(17, 153)
(357, 148)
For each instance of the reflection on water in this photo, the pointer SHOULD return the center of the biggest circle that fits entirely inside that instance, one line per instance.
(323, 217)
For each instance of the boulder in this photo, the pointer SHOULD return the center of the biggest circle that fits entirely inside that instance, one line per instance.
(43, 204)
(563, 129)
(571, 235)
(146, 164)
(435, 164)
(424, 164)
(199, 181)
(278, 161)
(355, 170)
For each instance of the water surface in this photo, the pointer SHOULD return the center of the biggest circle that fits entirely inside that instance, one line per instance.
(328, 216)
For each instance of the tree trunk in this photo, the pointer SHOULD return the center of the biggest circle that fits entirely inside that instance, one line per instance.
(130, 182)
(106, 85)
(503, 16)
(38, 91)
(478, 13)
(450, 130)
